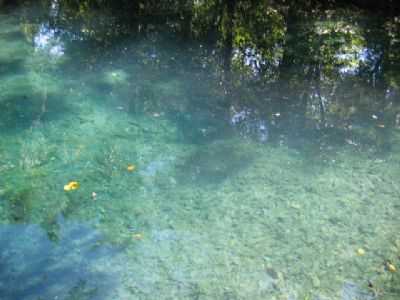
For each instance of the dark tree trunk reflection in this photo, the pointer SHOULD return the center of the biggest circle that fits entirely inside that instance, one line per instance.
(228, 41)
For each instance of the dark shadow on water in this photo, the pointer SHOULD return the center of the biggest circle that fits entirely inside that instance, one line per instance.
(33, 267)
(200, 127)
(12, 36)
(24, 110)
(212, 164)
(12, 67)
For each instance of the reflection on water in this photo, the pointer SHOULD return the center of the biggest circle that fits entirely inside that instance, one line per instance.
(250, 160)
(249, 124)
(47, 40)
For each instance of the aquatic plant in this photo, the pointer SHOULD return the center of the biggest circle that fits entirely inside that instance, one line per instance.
(20, 204)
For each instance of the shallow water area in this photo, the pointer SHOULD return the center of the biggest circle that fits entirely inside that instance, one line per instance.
(196, 177)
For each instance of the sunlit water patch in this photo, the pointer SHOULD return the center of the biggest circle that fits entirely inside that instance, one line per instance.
(46, 40)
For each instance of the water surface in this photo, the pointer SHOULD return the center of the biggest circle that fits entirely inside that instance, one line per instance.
(254, 177)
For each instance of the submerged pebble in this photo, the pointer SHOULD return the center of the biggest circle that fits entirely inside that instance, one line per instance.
(137, 236)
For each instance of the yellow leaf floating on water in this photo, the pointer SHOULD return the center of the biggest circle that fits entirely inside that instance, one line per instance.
(72, 185)
(131, 168)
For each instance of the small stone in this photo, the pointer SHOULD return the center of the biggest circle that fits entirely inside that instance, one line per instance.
(137, 236)
(295, 205)
(316, 282)
(271, 272)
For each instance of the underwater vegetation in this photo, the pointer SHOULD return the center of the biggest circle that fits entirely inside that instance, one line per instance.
(138, 164)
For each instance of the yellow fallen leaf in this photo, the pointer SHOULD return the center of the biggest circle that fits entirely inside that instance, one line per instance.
(391, 267)
(72, 185)
(131, 168)
(360, 251)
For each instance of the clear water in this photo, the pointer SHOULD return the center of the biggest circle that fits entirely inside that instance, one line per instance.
(232, 196)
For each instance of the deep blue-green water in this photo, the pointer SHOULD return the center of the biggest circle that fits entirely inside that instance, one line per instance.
(192, 181)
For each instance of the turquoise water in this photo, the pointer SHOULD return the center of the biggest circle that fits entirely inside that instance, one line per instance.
(231, 196)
